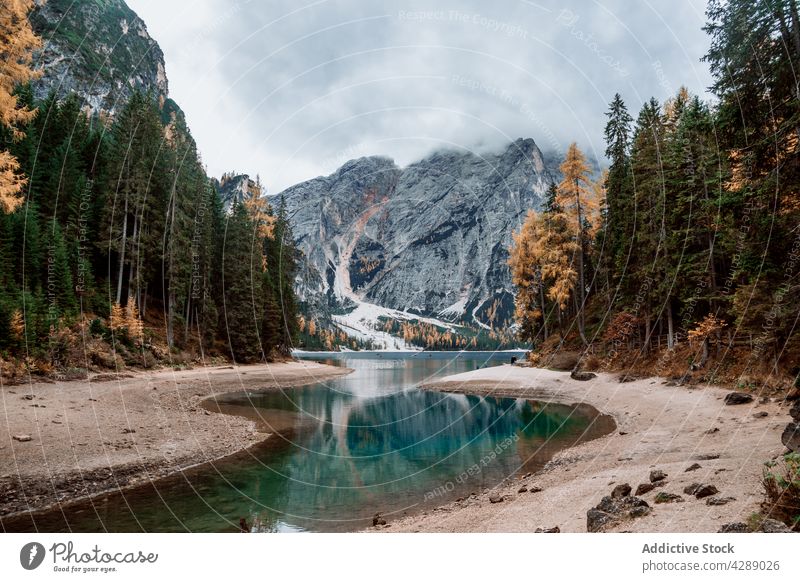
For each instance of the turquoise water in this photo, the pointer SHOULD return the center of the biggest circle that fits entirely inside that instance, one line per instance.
(344, 450)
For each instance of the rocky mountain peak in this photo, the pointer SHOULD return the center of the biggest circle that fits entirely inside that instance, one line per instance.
(233, 187)
(429, 239)
(99, 50)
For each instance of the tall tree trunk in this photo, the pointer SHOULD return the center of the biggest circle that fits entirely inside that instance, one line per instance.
(170, 274)
(187, 318)
(791, 36)
(133, 284)
(544, 312)
(647, 334)
(795, 29)
(581, 279)
(670, 328)
(712, 271)
(122, 251)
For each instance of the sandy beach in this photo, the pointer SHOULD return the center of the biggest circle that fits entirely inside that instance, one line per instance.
(660, 427)
(66, 440)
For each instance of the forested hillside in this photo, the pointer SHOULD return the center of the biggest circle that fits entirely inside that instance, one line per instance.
(691, 268)
(115, 248)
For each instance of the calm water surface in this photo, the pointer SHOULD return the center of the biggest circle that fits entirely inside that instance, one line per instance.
(345, 449)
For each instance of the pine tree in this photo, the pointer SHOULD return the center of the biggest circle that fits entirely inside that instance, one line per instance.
(620, 217)
(134, 218)
(649, 263)
(242, 287)
(283, 268)
(59, 289)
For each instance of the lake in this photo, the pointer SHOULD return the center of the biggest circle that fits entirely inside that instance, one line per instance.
(342, 450)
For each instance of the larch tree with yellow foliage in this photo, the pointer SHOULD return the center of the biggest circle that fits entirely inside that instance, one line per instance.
(577, 199)
(542, 260)
(17, 43)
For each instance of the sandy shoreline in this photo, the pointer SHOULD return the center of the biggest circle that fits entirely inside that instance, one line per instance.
(90, 437)
(659, 427)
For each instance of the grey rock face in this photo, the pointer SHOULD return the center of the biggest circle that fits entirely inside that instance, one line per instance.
(99, 50)
(430, 239)
(234, 188)
(791, 436)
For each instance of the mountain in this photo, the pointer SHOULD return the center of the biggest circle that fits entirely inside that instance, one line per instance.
(233, 187)
(430, 239)
(98, 49)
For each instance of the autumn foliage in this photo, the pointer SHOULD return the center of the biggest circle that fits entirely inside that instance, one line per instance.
(17, 41)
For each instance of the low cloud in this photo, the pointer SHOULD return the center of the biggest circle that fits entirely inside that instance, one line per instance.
(291, 91)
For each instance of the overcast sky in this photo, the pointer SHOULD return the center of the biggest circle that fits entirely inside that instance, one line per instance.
(292, 89)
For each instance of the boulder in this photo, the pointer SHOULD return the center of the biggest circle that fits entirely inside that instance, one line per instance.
(597, 520)
(23, 438)
(692, 467)
(791, 436)
(719, 500)
(705, 490)
(761, 414)
(690, 489)
(495, 498)
(657, 475)
(738, 398)
(582, 376)
(555, 529)
(735, 527)
(622, 490)
(774, 526)
(378, 520)
(794, 411)
(611, 511)
(522, 489)
(644, 488)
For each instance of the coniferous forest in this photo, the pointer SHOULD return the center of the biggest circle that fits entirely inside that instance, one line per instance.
(682, 258)
(115, 249)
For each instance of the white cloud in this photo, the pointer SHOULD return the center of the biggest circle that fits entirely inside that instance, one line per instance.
(288, 90)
